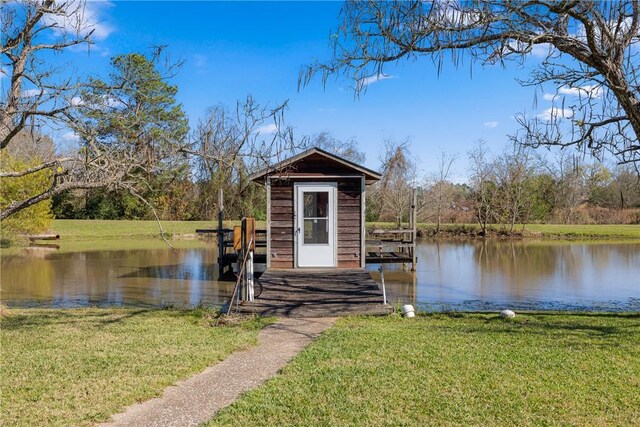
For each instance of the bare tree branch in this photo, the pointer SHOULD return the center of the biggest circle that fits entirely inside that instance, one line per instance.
(588, 44)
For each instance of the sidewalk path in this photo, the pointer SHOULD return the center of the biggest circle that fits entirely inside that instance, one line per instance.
(197, 399)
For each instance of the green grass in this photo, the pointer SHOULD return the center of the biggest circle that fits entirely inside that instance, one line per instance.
(77, 229)
(94, 229)
(469, 369)
(579, 231)
(78, 367)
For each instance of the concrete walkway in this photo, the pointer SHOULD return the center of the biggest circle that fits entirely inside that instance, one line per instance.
(197, 399)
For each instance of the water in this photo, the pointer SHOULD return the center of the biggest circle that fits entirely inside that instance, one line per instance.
(531, 275)
(450, 276)
(185, 277)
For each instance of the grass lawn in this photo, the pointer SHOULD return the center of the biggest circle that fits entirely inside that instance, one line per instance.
(579, 231)
(467, 369)
(71, 229)
(77, 229)
(78, 367)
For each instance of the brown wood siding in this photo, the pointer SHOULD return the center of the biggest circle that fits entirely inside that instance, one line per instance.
(348, 222)
(349, 219)
(281, 224)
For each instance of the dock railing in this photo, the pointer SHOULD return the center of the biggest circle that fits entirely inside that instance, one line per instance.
(395, 245)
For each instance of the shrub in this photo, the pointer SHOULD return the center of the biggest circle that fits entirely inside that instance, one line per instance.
(34, 219)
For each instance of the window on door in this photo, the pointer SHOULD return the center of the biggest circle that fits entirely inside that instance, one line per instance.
(316, 217)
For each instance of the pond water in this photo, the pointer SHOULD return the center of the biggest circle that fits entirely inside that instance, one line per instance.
(450, 276)
(123, 273)
(533, 275)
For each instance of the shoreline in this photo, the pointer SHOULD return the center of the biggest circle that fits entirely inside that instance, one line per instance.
(85, 231)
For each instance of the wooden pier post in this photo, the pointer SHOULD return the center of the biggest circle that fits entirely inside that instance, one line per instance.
(414, 231)
(220, 234)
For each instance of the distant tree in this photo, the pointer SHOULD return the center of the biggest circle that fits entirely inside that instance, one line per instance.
(136, 111)
(627, 185)
(544, 199)
(394, 191)
(515, 172)
(590, 47)
(484, 187)
(598, 179)
(348, 149)
(228, 145)
(438, 195)
(571, 190)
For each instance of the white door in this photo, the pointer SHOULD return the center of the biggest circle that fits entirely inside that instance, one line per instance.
(315, 225)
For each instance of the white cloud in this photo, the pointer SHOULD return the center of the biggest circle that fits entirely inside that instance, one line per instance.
(76, 101)
(112, 102)
(592, 91)
(33, 93)
(554, 113)
(618, 27)
(366, 81)
(454, 13)
(541, 50)
(267, 129)
(82, 19)
(71, 137)
(491, 124)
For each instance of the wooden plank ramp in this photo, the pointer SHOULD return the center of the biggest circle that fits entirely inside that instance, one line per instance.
(317, 293)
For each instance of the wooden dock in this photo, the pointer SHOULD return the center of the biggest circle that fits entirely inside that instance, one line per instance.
(395, 246)
(385, 257)
(317, 293)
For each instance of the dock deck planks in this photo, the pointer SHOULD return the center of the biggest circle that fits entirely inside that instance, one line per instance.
(387, 257)
(317, 293)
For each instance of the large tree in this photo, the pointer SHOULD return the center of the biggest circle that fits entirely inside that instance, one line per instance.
(38, 94)
(134, 118)
(40, 97)
(125, 128)
(592, 50)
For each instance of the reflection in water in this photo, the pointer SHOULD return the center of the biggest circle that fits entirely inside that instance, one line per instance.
(186, 277)
(491, 275)
(451, 276)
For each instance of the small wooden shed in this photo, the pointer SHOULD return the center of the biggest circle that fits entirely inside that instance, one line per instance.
(316, 211)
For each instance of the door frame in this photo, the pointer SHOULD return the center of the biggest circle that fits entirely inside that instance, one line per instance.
(332, 186)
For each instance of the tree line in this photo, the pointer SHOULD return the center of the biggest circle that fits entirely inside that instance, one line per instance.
(511, 188)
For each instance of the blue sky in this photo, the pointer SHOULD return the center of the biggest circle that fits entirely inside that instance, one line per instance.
(234, 49)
